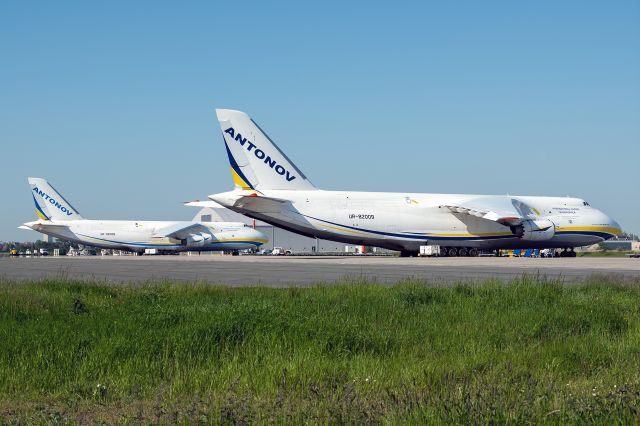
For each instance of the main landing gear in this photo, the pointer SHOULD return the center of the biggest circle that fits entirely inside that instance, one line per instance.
(459, 252)
(446, 252)
(568, 253)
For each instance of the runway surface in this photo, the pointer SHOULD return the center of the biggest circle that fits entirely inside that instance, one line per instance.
(291, 271)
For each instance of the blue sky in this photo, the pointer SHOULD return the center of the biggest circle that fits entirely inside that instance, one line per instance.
(114, 102)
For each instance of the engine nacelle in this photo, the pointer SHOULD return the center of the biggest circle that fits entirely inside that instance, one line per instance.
(535, 230)
(197, 240)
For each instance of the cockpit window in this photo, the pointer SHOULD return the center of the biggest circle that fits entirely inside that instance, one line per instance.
(584, 203)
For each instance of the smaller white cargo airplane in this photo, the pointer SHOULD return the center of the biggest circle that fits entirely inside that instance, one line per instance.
(58, 218)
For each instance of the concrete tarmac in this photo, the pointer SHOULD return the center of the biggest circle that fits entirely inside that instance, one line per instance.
(303, 271)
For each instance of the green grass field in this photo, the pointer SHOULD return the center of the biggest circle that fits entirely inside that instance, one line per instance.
(529, 351)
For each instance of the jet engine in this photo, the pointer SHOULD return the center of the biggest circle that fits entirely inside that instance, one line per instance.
(535, 230)
(197, 240)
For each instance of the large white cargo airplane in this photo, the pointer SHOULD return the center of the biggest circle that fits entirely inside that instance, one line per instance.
(269, 187)
(58, 218)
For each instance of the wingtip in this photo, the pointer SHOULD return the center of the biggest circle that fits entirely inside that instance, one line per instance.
(204, 203)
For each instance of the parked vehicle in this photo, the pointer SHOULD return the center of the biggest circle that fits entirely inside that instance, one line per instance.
(547, 253)
(279, 251)
(429, 251)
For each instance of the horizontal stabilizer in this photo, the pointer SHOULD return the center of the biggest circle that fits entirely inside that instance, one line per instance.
(261, 204)
(43, 226)
(250, 200)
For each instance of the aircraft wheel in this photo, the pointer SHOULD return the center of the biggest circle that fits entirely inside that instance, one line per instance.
(463, 252)
(443, 252)
(473, 252)
(567, 253)
(453, 252)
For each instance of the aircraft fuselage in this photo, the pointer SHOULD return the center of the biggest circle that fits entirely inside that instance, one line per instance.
(405, 221)
(141, 235)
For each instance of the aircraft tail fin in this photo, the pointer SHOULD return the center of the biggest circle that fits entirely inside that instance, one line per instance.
(50, 204)
(256, 161)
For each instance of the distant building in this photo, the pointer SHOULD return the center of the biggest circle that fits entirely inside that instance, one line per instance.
(277, 237)
(626, 245)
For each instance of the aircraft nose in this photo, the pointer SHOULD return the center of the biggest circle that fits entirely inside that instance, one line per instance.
(613, 227)
(259, 236)
(616, 226)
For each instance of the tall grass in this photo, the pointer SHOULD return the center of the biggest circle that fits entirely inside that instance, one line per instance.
(528, 351)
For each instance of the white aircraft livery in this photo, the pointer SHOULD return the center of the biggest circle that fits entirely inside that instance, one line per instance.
(269, 187)
(58, 218)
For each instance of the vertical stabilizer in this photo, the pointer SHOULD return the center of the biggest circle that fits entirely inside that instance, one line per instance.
(256, 161)
(50, 204)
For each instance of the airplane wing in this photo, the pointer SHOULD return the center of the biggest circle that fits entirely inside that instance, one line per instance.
(180, 231)
(505, 210)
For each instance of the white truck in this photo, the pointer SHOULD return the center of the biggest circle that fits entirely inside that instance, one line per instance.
(279, 251)
(429, 251)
